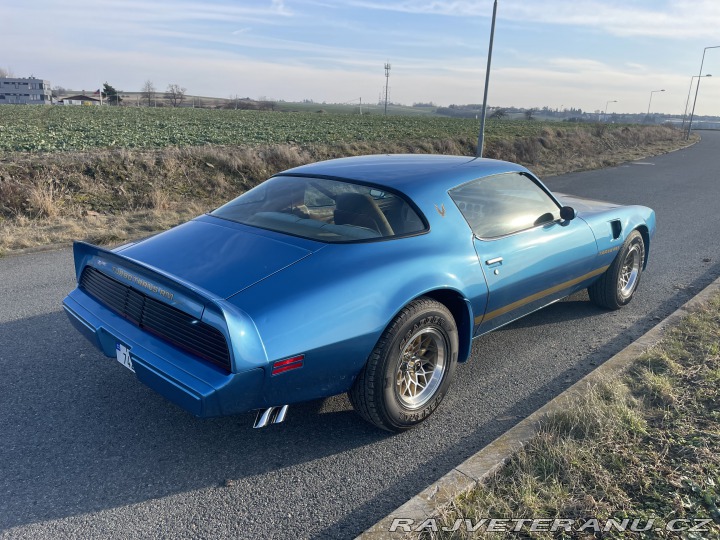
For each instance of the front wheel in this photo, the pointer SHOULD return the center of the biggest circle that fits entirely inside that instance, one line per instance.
(409, 371)
(616, 286)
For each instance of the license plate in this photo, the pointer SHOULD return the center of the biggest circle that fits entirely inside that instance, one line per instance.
(122, 353)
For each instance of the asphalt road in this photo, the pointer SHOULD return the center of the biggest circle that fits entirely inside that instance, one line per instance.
(87, 451)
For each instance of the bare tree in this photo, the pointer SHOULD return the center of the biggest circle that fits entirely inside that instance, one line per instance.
(58, 91)
(148, 92)
(6, 73)
(267, 105)
(529, 114)
(175, 95)
(499, 113)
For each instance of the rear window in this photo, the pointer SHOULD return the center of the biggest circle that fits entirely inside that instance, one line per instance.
(325, 210)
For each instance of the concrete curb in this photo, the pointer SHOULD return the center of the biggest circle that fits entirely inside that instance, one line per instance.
(682, 147)
(484, 463)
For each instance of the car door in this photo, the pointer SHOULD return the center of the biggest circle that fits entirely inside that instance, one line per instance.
(529, 255)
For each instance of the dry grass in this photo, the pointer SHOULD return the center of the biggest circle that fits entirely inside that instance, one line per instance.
(43, 201)
(102, 229)
(54, 198)
(644, 447)
(159, 200)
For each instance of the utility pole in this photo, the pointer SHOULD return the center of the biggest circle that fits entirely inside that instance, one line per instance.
(360, 106)
(387, 83)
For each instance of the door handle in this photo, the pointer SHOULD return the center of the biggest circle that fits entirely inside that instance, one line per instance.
(496, 260)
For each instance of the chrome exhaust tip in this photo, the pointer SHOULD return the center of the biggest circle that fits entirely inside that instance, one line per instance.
(271, 415)
(280, 416)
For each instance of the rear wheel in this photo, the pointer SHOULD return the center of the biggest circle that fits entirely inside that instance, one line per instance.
(616, 286)
(409, 371)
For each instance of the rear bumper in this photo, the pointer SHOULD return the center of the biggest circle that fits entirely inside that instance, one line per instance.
(199, 387)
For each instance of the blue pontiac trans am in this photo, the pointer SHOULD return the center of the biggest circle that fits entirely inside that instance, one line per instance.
(367, 275)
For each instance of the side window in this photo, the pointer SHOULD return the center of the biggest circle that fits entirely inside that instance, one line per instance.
(504, 204)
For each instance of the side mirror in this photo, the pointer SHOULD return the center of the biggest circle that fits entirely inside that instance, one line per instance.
(567, 213)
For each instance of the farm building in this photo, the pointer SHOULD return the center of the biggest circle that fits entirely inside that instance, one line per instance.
(79, 100)
(25, 91)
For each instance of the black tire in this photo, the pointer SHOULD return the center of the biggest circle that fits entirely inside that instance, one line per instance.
(618, 284)
(383, 392)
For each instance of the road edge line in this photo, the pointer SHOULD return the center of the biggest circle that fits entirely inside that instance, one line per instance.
(489, 459)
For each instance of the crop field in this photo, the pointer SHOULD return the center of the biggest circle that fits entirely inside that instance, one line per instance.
(36, 128)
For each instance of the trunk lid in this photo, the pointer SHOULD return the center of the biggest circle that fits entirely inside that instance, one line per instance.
(219, 257)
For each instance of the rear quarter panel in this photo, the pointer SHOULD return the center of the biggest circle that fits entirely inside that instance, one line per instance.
(334, 305)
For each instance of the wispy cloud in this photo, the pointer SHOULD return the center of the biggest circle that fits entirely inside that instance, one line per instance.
(106, 13)
(191, 10)
(575, 65)
(673, 19)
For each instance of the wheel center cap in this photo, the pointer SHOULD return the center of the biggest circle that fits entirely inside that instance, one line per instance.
(411, 365)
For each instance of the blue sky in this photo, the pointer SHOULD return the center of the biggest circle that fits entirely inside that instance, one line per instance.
(559, 53)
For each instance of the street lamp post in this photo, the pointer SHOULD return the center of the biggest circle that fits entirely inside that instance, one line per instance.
(697, 88)
(687, 102)
(606, 106)
(481, 135)
(650, 102)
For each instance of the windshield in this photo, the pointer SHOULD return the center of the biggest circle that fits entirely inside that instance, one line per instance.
(325, 210)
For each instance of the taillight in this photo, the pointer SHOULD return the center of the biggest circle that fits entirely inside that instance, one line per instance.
(287, 364)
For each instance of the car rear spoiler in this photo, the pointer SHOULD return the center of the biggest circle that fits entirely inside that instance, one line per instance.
(187, 297)
(166, 287)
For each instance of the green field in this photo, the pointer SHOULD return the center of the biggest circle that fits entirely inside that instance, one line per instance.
(353, 108)
(35, 128)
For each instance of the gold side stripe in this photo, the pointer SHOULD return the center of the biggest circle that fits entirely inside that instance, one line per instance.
(537, 296)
